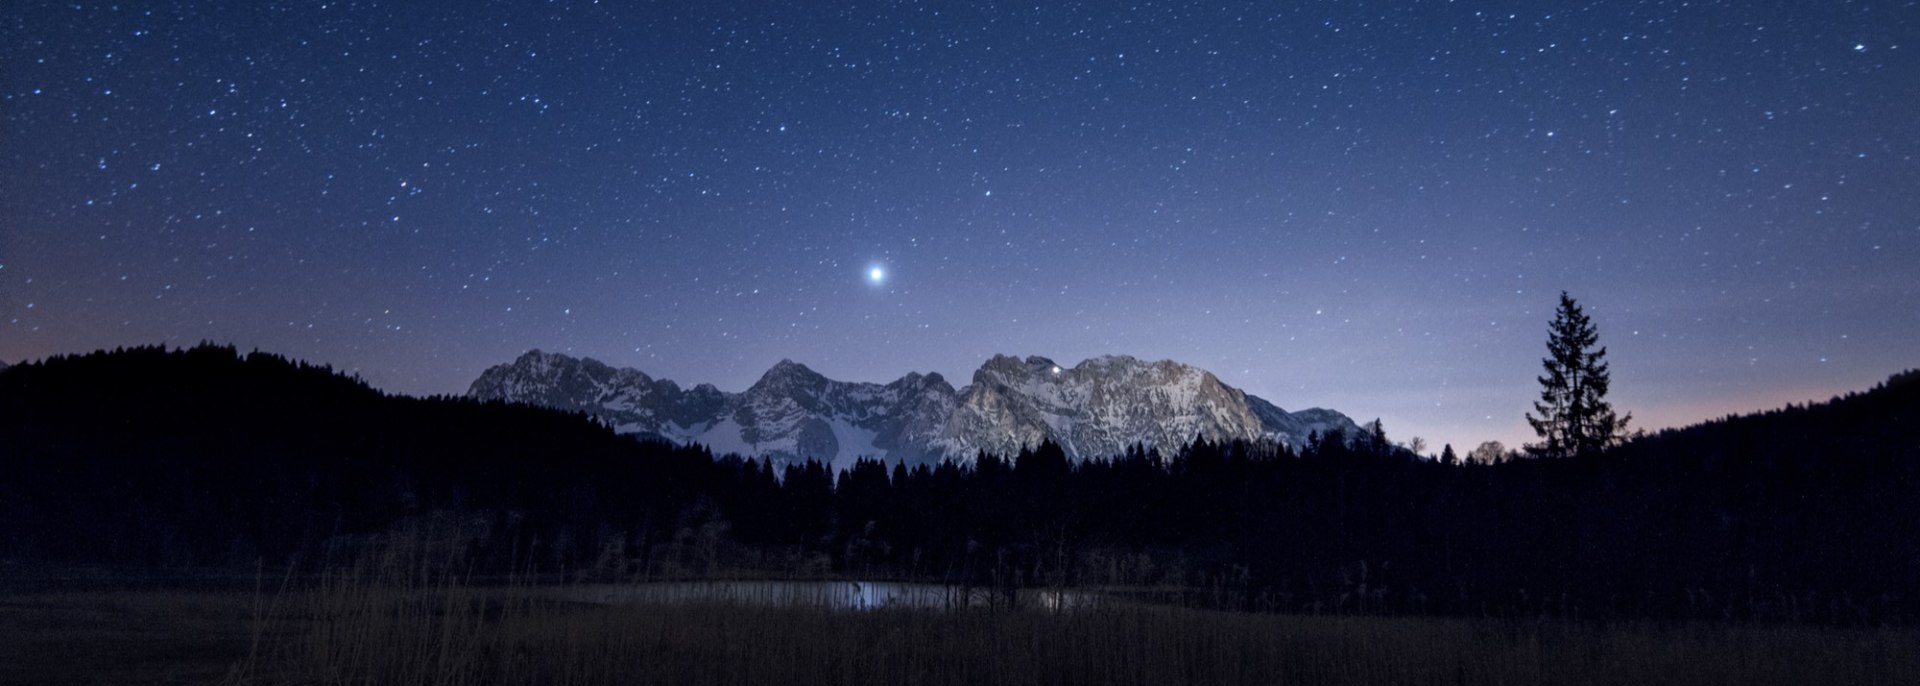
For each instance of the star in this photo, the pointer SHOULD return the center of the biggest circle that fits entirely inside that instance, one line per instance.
(876, 275)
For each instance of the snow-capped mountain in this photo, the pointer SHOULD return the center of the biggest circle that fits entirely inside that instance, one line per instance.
(1097, 408)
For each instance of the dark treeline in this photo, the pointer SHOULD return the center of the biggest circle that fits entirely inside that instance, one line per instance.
(205, 457)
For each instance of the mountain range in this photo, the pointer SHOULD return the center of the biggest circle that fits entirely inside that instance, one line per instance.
(1098, 408)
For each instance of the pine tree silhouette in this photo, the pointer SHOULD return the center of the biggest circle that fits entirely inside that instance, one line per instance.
(1574, 415)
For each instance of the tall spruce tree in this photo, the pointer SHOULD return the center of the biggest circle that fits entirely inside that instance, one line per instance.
(1574, 415)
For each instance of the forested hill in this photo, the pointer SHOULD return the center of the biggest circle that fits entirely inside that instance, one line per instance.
(206, 457)
(1882, 423)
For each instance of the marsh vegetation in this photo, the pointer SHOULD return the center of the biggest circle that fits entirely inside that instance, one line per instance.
(347, 631)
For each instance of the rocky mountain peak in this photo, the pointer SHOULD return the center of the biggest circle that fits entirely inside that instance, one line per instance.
(788, 366)
(1109, 361)
(788, 377)
(1010, 370)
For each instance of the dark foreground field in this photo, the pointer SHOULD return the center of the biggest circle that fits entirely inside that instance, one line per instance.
(351, 632)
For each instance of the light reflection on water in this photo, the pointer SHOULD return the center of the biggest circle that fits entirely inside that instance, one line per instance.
(846, 595)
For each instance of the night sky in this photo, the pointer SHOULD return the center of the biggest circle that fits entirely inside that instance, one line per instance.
(1364, 206)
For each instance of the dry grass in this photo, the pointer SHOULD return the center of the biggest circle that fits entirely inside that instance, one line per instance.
(123, 637)
(422, 627)
(734, 645)
(481, 641)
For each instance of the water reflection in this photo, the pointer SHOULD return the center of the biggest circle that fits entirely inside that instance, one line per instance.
(847, 595)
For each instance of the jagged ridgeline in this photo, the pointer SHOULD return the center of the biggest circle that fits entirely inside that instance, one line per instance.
(1096, 409)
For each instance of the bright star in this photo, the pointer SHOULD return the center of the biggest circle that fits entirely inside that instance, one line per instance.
(876, 274)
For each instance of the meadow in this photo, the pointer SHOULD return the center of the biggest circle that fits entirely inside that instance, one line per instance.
(354, 627)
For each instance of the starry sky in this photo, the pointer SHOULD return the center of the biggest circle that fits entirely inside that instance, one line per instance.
(1360, 205)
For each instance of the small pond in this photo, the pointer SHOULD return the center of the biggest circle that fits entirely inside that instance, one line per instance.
(847, 595)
